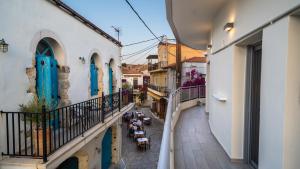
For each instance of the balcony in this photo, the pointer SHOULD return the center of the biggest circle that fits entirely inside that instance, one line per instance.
(39, 135)
(159, 66)
(159, 90)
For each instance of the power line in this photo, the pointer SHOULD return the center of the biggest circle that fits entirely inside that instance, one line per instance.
(135, 43)
(142, 57)
(142, 20)
(140, 51)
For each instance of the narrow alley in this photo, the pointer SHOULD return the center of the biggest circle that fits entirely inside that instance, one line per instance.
(136, 159)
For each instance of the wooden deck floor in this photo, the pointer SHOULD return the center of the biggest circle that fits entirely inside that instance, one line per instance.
(196, 147)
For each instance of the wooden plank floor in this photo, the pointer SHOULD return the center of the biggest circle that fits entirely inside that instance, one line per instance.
(195, 146)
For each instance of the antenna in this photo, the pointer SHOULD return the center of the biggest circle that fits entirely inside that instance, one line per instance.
(118, 30)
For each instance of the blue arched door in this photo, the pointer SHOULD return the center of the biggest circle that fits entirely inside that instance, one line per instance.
(110, 73)
(46, 75)
(94, 77)
(107, 149)
(70, 163)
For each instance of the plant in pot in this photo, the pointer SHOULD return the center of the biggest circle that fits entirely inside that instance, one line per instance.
(33, 110)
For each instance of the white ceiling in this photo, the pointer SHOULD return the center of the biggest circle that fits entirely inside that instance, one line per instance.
(191, 20)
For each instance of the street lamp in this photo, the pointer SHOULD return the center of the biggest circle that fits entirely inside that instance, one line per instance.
(3, 46)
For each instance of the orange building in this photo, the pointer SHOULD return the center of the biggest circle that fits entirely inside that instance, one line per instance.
(159, 68)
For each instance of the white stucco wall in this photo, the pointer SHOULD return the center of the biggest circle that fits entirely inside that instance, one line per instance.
(279, 106)
(27, 22)
(24, 25)
(292, 97)
(247, 16)
(129, 78)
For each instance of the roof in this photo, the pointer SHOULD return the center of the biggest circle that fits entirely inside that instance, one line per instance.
(193, 59)
(64, 7)
(134, 69)
(196, 59)
(152, 57)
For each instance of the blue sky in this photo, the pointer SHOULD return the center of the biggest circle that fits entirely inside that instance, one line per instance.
(107, 13)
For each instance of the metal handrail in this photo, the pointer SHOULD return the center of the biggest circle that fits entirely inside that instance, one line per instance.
(175, 98)
(39, 135)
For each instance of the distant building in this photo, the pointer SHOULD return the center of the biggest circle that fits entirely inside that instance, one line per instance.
(137, 77)
(163, 74)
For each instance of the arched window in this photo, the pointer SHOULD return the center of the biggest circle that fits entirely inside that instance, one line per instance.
(47, 75)
(94, 77)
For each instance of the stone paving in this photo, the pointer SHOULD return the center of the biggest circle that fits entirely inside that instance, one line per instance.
(136, 159)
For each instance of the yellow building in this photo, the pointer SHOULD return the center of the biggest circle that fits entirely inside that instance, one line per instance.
(158, 66)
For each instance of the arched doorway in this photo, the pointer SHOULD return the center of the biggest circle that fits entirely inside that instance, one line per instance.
(46, 75)
(70, 163)
(94, 77)
(107, 149)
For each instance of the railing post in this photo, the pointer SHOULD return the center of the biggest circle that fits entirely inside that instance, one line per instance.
(198, 87)
(44, 133)
(189, 93)
(102, 108)
(120, 99)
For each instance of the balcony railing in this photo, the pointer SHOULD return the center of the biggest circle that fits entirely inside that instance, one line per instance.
(161, 89)
(180, 95)
(40, 134)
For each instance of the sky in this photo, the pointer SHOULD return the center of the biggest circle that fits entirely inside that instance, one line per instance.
(107, 13)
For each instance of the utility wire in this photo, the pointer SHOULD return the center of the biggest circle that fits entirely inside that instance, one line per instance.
(142, 20)
(141, 57)
(140, 51)
(135, 43)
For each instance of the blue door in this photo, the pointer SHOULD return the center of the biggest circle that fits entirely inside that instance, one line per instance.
(47, 75)
(110, 72)
(106, 149)
(94, 79)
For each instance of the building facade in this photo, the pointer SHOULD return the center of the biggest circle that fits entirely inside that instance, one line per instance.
(138, 78)
(58, 58)
(163, 74)
(252, 93)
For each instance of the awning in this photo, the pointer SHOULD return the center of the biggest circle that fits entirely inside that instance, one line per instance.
(154, 95)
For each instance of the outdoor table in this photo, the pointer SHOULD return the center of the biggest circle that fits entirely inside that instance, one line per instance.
(147, 120)
(142, 140)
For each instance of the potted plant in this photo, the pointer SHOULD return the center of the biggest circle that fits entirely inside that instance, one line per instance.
(35, 108)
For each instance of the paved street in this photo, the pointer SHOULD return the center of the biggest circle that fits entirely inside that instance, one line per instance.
(136, 159)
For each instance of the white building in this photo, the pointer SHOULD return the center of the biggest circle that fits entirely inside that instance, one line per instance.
(88, 63)
(253, 84)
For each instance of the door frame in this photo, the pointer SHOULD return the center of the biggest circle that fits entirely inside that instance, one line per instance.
(248, 103)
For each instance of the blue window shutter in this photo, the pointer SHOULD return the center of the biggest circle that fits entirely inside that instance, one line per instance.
(110, 80)
(43, 82)
(94, 79)
(54, 79)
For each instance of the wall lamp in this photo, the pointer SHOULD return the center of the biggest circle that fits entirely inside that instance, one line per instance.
(3, 46)
(82, 60)
(228, 26)
(209, 47)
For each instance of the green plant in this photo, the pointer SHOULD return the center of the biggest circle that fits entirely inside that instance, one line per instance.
(126, 85)
(33, 110)
(33, 106)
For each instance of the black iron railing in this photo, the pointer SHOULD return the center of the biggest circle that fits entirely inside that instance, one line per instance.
(40, 134)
